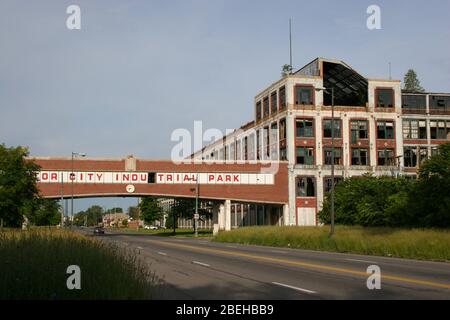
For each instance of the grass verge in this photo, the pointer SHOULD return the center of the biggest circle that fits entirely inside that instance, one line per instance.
(33, 265)
(403, 243)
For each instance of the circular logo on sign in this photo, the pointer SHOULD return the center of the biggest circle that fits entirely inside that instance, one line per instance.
(130, 188)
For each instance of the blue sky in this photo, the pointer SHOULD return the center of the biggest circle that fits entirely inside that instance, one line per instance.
(137, 70)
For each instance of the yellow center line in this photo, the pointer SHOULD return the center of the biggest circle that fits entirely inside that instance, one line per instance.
(303, 264)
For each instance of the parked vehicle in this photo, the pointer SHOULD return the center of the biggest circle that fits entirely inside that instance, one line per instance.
(150, 227)
(99, 230)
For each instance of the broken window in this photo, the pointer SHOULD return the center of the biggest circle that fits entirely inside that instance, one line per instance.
(327, 183)
(304, 128)
(439, 103)
(359, 130)
(283, 150)
(245, 148)
(386, 157)
(414, 129)
(305, 155)
(238, 150)
(327, 128)
(258, 110)
(410, 157)
(423, 154)
(385, 98)
(251, 146)
(304, 95)
(360, 157)
(385, 130)
(305, 187)
(414, 102)
(274, 141)
(258, 144)
(434, 151)
(438, 129)
(266, 107)
(282, 94)
(266, 143)
(337, 156)
(232, 151)
(273, 102)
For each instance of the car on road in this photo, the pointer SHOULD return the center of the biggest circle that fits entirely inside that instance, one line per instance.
(99, 230)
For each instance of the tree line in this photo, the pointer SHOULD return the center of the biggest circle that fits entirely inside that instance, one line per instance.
(396, 202)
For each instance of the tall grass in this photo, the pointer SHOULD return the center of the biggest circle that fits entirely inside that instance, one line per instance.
(33, 265)
(402, 243)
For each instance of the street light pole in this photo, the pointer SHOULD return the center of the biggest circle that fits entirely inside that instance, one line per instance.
(62, 200)
(72, 178)
(332, 163)
(331, 90)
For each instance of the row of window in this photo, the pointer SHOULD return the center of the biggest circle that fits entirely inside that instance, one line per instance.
(267, 143)
(306, 186)
(267, 106)
(417, 129)
(360, 156)
(414, 156)
(420, 102)
(359, 129)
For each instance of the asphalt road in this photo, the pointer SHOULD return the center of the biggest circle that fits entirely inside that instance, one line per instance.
(200, 269)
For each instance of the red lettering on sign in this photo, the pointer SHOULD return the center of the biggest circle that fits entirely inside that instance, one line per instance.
(219, 178)
(186, 178)
(210, 177)
(169, 177)
(125, 177)
(81, 177)
(117, 177)
(228, 178)
(236, 178)
(44, 176)
(160, 177)
(54, 176)
(143, 177)
(90, 176)
(99, 176)
(134, 177)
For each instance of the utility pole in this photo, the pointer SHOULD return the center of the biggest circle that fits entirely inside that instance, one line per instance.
(62, 200)
(72, 178)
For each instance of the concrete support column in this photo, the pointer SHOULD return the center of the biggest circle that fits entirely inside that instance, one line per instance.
(285, 214)
(227, 214)
(221, 217)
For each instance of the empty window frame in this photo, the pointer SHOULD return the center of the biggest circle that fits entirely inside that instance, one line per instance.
(282, 136)
(251, 147)
(266, 143)
(385, 130)
(274, 141)
(328, 156)
(327, 183)
(258, 110)
(266, 107)
(438, 129)
(386, 157)
(245, 147)
(304, 128)
(258, 144)
(423, 154)
(416, 102)
(238, 150)
(440, 102)
(360, 157)
(327, 132)
(305, 187)
(304, 95)
(414, 129)
(359, 130)
(305, 155)
(384, 98)
(273, 102)
(282, 94)
(410, 157)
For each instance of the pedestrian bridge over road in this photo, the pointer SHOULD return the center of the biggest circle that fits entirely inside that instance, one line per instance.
(259, 183)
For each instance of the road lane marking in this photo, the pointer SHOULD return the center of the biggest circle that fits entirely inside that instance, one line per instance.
(305, 264)
(201, 263)
(364, 261)
(162, 253)
(294, 288)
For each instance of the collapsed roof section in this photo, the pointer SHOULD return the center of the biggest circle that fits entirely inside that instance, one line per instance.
(350, 88)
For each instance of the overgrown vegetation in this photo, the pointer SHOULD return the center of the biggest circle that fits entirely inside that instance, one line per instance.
(33, 265)
(396, 202)
(402, 243)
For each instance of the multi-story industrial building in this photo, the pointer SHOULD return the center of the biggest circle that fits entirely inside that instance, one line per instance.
(377, 128)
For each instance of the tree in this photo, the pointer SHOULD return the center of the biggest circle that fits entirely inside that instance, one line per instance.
(411, 82)
(92, 216)
(133, 212)
(44, 212)
(286, 70)
(125, 222)
(430, 199)
(18, 188)
(150, 210)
